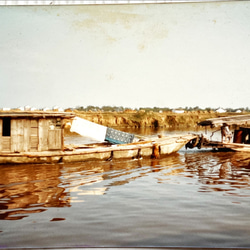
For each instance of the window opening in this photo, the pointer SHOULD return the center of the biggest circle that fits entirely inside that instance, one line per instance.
(6, 127)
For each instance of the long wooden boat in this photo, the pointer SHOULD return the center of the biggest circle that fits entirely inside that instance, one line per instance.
(153, 148)
(38, 137)
(240, 135)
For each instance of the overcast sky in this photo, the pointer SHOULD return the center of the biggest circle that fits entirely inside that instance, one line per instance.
(146, 55)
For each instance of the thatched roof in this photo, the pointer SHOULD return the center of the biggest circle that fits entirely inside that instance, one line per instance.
(230, 120)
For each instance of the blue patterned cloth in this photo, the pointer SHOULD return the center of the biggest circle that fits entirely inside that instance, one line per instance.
(118, 137)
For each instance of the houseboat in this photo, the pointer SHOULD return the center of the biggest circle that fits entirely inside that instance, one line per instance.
(38, 137)
(234, 134)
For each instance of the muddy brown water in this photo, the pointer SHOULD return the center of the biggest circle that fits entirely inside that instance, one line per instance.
(188, 199)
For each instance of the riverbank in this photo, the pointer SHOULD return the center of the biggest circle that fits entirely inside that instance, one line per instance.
(141, 119)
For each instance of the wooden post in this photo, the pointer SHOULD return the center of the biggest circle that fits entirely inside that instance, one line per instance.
(155, 151)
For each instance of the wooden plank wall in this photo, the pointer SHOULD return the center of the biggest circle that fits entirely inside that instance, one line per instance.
(31, 135)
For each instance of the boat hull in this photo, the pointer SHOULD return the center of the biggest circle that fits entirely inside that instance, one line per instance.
(156, 148)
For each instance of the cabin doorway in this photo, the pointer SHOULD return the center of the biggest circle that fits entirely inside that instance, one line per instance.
(6, 126)
(6, 132)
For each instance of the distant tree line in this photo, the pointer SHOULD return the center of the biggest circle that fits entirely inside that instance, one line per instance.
(103, 108)
(154, 109)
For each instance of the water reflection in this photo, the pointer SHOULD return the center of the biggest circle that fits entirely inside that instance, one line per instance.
(219, 171)
(27, 189)
(78, 179)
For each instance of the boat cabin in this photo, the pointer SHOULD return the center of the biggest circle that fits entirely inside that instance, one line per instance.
(32, 131)
(240, 124)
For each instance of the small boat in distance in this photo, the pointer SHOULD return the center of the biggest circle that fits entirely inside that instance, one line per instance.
(238, 140)
(38, 137)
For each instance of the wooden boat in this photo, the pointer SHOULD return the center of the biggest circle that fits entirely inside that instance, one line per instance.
(240, 137)
(38, 137)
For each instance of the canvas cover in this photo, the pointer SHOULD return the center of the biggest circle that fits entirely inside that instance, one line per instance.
(88, 129)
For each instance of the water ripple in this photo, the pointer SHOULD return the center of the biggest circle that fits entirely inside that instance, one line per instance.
(202, 196)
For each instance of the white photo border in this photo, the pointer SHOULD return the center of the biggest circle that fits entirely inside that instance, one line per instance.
(99, 2)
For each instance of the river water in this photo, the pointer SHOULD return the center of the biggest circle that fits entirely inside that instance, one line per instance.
(193, 198)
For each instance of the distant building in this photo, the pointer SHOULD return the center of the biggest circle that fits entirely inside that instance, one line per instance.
(21, 108)
(27, 108)
(178, 111)
(220, 110)
(6, 109)
(56, 108)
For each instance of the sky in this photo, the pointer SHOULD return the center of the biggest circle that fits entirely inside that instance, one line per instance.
(131, 55)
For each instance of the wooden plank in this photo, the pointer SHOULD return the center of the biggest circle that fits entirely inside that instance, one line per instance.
(43, 126)
(6, 145)
(55, 137)
(34, 131)
(15, 123)
(21, 135)
(26, 135)
(33, 142)
(33, 123)
(13, 132)
(34, 139)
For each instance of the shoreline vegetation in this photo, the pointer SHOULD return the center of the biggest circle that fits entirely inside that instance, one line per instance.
(150, 119)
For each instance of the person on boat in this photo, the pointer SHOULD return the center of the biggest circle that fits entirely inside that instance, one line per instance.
(225, 132)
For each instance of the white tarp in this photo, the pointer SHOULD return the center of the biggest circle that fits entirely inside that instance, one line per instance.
(88, 129)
